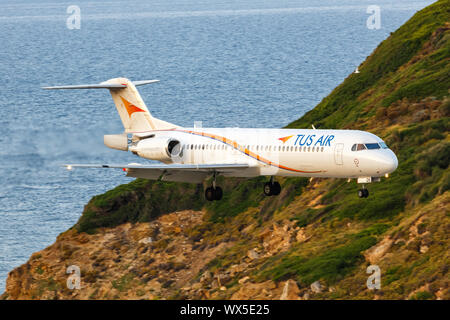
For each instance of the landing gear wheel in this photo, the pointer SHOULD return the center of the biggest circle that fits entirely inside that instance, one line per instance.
(218, 193)
(267, 189)
(276, 188)
(363, 193)
(366, 193)
(209, 194)
(212, 194)
(272, 188)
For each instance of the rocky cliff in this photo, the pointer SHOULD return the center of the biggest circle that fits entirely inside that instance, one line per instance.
(154, 240)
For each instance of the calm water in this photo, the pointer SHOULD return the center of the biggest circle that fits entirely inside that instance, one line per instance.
(227, 63)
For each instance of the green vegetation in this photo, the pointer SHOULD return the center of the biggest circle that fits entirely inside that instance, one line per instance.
(39, 270)
(124, 283)
(422, 295)
(48, 285)
(391, 73)
(240, 194)
(138, 201)
(373, 230)
(332, 265)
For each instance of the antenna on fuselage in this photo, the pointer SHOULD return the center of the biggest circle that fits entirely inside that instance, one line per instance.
(313, 127)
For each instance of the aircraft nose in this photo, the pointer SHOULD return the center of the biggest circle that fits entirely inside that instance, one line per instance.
(388, 162)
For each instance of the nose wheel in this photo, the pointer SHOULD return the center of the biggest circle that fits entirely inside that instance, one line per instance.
(272, 188)
(363, 193)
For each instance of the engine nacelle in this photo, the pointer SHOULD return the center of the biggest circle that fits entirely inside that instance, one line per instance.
(160, 148)
(116, 141)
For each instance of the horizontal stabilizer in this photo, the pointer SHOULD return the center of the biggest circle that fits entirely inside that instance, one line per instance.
(103, 85)
(143, 82)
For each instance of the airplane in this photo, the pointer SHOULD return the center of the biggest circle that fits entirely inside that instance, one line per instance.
(195, 154)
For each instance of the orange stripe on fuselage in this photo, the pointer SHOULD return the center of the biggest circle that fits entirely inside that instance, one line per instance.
(247, 152)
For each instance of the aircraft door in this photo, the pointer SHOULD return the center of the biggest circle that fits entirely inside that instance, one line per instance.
(338, 154)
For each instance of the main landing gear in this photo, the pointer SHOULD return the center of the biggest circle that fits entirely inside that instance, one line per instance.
(272, 188)
(213, 193)
(363, 193)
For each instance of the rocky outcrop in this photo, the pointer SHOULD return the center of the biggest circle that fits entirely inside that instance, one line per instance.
(133, 261)
(375, 253)
(268, 290)
(147, 261)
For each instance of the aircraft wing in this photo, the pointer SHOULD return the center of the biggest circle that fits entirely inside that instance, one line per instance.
(194, 173)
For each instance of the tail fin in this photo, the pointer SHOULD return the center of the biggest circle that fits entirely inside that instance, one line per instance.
(131, 108)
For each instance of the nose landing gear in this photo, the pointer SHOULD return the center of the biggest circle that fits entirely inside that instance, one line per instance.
(272, 188)
(363, 193)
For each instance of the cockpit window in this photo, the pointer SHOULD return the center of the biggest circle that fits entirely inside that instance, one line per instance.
(383, 145)
(358, 147)
(369, 146)
(372, 146)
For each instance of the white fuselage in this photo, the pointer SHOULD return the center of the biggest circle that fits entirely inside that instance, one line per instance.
(279, 152)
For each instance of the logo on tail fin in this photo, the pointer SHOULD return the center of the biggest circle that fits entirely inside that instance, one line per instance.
(131, 108)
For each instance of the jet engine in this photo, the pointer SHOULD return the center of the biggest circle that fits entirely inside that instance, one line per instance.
(163, 149)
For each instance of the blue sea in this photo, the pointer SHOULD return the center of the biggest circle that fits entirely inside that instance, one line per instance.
(248, 63)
